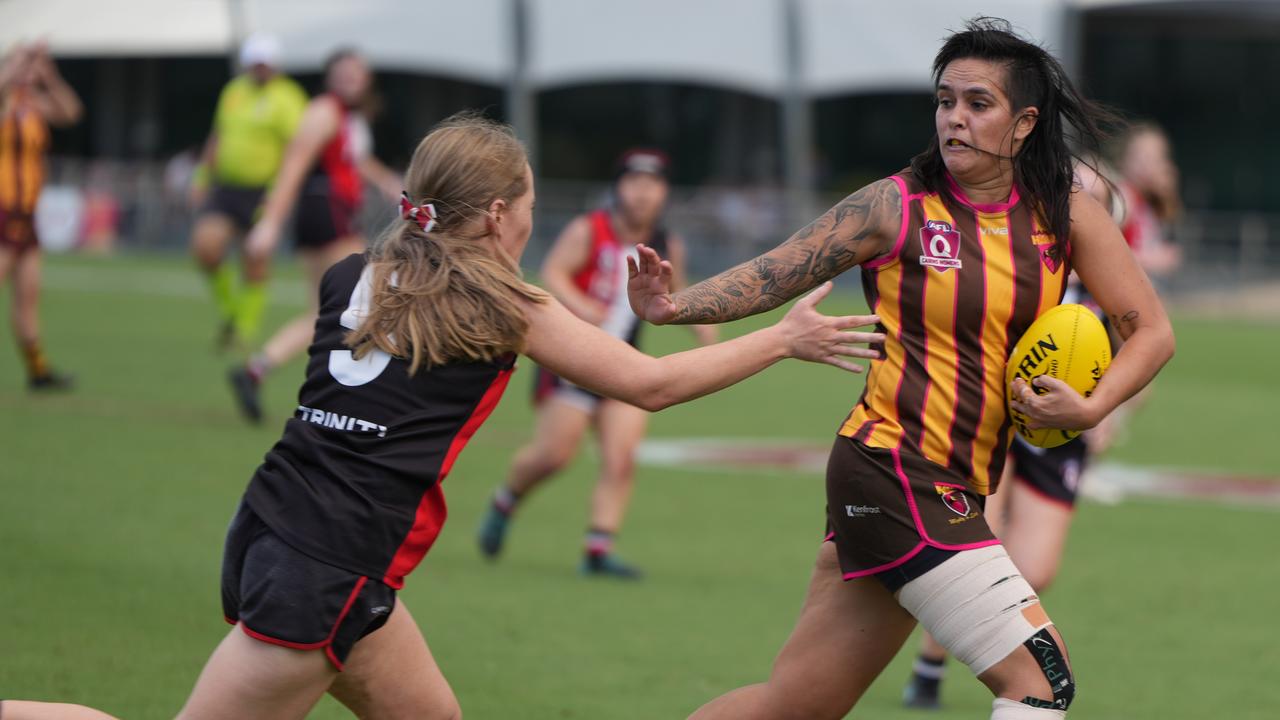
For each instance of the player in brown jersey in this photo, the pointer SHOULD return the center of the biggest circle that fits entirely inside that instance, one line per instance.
(959, 254)
(414, 344)
(33, 96)
(1033, 511)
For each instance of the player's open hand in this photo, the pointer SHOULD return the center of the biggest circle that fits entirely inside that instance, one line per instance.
(1050, 403)
(649, 287)
(262, 239)
(828, 339)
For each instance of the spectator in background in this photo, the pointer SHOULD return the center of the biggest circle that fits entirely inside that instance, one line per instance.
(257, 114)
(33, 96)
(1149, 183)
(101, 213)
(323, 174)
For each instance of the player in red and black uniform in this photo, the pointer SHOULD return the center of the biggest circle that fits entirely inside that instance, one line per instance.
(414, 345)
(587, 271)
(1149, 182)
(959, 254)
(321, 182)
(33, 96)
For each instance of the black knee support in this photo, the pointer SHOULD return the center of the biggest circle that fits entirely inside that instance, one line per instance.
(1054, 666)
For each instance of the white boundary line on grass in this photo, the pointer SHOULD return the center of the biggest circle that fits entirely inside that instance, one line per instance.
(1105, 482)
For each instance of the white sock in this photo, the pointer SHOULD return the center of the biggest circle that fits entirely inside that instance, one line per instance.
(1005, 709)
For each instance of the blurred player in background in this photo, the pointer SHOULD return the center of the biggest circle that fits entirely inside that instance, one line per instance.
(257, 114)
(959, 253)
(586, 270)
(33, 96)
(1149, 182)
(320, 180)
(1032, 512)
(415, 345)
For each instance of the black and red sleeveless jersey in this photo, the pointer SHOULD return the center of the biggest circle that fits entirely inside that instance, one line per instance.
(337, 171)
(355, 480)
(604, 276)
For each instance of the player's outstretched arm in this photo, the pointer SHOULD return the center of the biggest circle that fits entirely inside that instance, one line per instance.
(318, 125)
(26, 710)
(1114, 278)
(859, 228)
(587, 356)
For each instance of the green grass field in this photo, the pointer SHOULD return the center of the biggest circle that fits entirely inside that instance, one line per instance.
(114, 500)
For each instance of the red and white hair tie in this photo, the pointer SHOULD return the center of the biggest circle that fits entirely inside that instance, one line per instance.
(424, 214)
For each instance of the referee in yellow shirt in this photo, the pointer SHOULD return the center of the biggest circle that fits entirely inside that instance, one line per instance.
(257, 114)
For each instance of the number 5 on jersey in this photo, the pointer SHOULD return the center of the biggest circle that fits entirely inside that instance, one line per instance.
(343, 365)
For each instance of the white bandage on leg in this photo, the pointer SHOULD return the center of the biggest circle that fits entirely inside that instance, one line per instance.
(976, 605)
(1003, 709)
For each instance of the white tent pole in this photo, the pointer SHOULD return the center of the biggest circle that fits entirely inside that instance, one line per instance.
(797, 121)
(238, 24)
(521, 102)
(1071, 39)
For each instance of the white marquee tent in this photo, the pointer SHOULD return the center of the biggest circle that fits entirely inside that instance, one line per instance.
(790, 50)
(842, 46)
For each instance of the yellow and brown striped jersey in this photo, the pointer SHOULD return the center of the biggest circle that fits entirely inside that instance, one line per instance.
(964, 282)
(24, 139)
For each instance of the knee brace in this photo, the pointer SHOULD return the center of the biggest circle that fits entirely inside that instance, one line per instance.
(977, 606)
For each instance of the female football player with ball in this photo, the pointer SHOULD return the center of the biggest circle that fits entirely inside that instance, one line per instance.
(414, 345)
(959, 254)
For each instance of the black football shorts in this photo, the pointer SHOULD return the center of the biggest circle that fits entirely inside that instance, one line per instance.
(1052, 473)
(281, 596)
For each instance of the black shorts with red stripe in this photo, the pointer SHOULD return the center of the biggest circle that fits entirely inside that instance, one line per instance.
(547, 385)
(1052, 473)
(281, 596)
(322, 217)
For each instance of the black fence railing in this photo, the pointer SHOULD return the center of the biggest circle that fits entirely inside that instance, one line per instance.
(107, 205)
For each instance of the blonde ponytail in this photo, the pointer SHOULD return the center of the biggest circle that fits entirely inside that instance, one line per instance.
(446, 296)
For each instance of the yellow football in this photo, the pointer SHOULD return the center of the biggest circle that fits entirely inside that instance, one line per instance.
(1068, 343)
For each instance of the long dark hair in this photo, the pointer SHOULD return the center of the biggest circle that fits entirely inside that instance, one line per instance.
(1043, 168)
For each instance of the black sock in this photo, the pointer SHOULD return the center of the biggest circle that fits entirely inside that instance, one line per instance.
(928, 671)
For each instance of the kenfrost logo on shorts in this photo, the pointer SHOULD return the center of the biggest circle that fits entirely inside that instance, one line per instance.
(857, 511)
(939, 246)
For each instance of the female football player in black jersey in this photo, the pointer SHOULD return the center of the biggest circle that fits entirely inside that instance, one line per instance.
(413, 347)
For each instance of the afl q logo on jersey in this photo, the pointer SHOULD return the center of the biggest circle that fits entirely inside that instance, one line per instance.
(939, 246)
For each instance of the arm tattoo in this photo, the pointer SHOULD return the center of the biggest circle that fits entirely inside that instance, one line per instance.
(1124, 323)
(820, 251)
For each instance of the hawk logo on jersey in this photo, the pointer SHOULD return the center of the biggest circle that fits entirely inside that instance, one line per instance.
(940, 246)
(1044, 243)
(954, 498)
